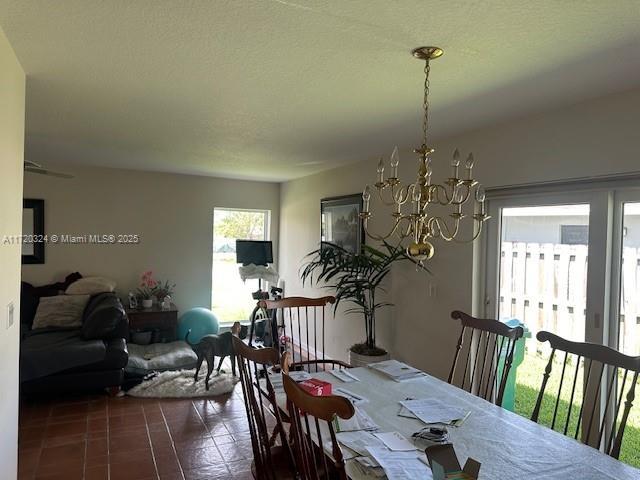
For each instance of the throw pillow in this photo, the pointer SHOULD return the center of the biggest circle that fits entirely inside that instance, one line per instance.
(61, 311)
(91, 286)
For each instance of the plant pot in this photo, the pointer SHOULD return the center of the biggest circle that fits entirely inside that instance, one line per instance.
(147, 302)
(359, 360)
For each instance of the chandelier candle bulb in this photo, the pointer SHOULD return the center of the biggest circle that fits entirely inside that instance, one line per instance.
(455, 163)
(469, 166)
(480, 197)
(381, 171)
(415, 195)
(366, 196)
(395, 161)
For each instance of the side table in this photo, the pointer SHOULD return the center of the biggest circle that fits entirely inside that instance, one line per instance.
(154, 318)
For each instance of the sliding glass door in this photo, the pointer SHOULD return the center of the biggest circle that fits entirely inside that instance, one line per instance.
(568, 263)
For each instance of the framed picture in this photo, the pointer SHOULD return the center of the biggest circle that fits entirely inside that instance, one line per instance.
(341, 223)
(32, 231)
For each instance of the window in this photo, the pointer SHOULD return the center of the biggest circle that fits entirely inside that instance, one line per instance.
(230, 297)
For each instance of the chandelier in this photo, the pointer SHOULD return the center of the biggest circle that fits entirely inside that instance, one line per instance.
(413, 219)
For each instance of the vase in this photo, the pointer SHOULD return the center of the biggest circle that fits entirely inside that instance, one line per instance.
(147, 302)
(359, 360)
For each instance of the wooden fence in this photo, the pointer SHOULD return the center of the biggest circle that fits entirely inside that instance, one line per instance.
(544, 285)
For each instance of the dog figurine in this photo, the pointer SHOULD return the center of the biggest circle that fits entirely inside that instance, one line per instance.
(212, 346)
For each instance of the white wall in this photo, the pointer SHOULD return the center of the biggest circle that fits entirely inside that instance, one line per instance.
(12, 98)
(598, 137)
(173, 214)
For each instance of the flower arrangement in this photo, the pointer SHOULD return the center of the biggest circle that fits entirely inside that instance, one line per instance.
(147, 288)
(150, 288)
(164, 289)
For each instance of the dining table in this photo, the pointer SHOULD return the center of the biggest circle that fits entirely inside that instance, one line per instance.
(508, 446)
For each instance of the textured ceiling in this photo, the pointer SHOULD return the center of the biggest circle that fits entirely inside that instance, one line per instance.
(278, 89)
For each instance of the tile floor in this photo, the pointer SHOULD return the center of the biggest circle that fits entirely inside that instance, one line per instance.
(123, 438)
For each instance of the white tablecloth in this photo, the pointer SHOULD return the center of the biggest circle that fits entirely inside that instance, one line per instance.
(507, 445)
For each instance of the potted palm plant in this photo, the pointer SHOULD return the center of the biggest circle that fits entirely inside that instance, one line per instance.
(356, 278)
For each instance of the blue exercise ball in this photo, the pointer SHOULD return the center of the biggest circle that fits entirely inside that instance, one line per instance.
(201, 321)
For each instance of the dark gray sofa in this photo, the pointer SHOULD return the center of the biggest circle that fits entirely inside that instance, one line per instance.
(65, 360)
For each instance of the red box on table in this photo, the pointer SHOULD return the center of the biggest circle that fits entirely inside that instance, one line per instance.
(315, 387)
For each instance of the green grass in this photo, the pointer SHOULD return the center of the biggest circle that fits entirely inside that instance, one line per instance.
(529, 379)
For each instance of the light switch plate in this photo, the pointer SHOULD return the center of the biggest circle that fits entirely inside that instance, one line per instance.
(9, 315)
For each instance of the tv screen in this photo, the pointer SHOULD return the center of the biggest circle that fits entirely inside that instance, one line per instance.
(254, 251)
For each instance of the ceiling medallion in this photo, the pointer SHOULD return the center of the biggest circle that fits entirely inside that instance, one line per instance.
(412, 220)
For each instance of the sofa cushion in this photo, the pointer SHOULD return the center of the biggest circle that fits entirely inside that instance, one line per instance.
(91, 286)
(61, 311)
(44, 352)
(104, 318)
(115, 358)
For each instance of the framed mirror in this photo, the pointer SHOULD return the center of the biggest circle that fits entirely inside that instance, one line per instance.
(32, 231)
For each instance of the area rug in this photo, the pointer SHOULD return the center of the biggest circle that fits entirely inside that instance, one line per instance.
(180, 384)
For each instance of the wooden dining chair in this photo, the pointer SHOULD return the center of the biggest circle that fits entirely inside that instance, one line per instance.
(312, 421)
(487, 346)
(270, 461)
(602, 367)
(301, 325)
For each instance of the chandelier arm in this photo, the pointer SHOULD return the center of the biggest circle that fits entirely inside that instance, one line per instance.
(382, 199)
(437, 188)
(465, 198)
(403, 234)
(377, 237)
(449, 236)
(400, 197)
(475, 235)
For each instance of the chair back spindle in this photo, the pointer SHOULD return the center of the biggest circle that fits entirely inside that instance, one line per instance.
(312, 427)
(599, 422)
(301, 321)
(486, 347)
(270, 462)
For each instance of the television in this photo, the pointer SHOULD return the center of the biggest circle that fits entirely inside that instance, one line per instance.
(258, 252)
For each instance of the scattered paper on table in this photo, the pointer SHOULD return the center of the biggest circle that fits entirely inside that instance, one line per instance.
(431, 410)
(354, 398)
(347, 453)
(401, 465)
(370, 467)
(395, 441)
(344, 375)
(360, 421)
(397, 371)
(358, 441)
(405, 412)
(299, 376)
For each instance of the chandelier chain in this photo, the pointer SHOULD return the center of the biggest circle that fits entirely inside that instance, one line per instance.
(425, 104)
